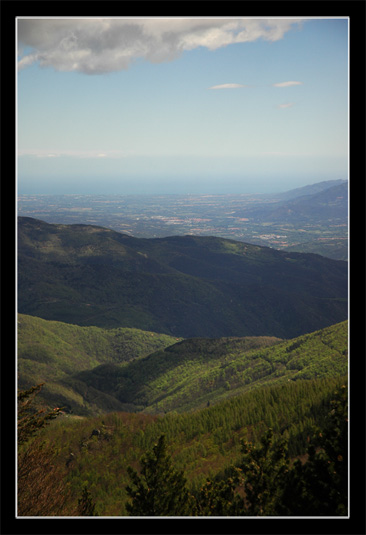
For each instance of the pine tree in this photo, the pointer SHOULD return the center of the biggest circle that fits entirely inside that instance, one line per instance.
(159, 490)
(219, 498)
(30, 421)
(263, 468)
(320, 486)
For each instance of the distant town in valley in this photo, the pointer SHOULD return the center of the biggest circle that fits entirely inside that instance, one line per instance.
(309, 219)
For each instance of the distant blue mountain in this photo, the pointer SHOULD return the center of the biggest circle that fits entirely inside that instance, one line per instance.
(311, 189)
(316, 204)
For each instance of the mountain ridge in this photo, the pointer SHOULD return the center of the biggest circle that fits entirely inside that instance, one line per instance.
(310, 189)
(314, 207)
(183, 286)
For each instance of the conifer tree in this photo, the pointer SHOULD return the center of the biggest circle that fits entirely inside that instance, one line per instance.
(320, 486)
(263, 468)
(30, 420)
(317, 487)
(219, 498)
(159, 490)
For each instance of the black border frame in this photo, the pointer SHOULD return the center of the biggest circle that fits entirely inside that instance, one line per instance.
(355, 10)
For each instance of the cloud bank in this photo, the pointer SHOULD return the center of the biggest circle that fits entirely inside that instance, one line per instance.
(101, 45)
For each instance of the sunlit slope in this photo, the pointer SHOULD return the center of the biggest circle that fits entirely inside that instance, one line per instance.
(198, 372)
(49, 351)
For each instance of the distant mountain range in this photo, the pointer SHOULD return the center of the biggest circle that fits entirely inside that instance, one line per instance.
(184, 286)
(311, 189)
(316, 204)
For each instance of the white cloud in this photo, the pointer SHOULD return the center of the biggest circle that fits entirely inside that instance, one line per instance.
(99, 45)
(287, 105)
(27, 60)
(227, 86)
(287, 84)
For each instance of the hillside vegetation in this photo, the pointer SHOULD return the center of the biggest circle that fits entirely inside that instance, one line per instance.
(182, 286)
(197, 372)
(169, 361)
(49, 351)
(90, 370)
(204, 443)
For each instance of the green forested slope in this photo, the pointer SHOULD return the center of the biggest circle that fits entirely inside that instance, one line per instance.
(49, 351)
(195, 372)
(91, 370)
(203, 443)
(183, 286)
(279, 351)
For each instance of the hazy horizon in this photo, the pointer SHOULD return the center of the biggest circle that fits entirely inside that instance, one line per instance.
(180, 105)
(191, 187)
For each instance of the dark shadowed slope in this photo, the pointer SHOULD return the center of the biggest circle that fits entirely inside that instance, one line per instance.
(184, 286)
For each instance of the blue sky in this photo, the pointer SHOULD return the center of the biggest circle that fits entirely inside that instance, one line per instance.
(181, 105)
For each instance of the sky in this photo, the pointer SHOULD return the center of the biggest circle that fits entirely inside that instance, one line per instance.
(180, 105)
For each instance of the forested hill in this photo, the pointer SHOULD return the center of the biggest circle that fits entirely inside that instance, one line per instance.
(94, 454)
(184, 286)
(51, 351)
(198, 372)
(89, 370)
